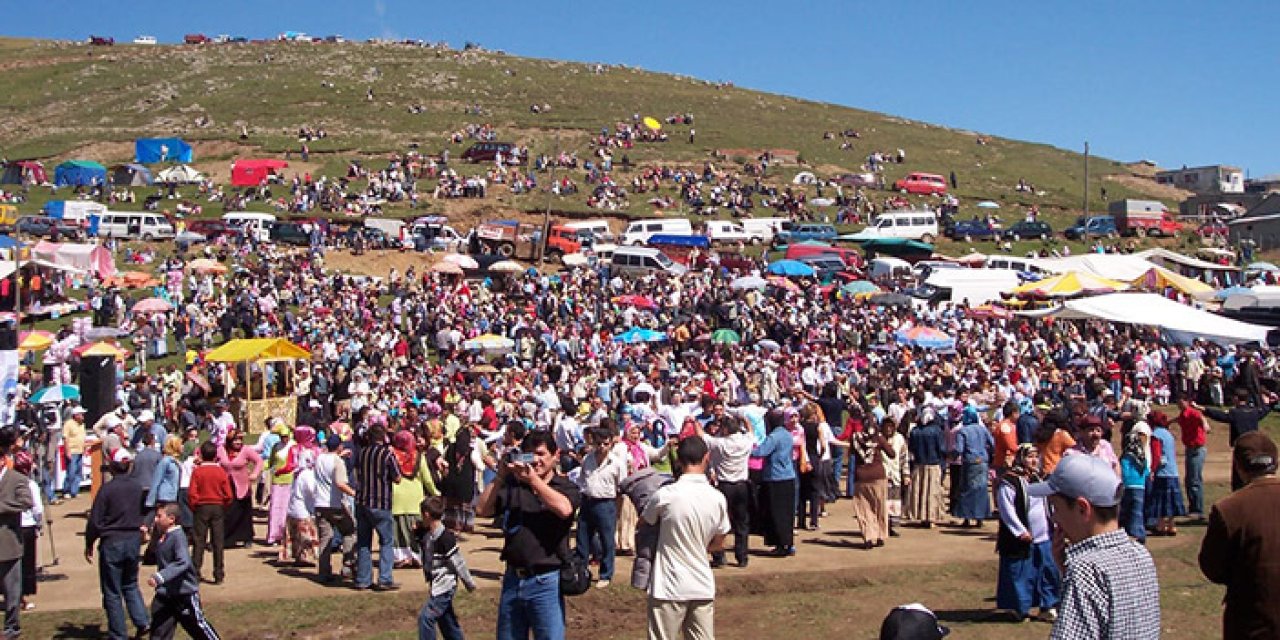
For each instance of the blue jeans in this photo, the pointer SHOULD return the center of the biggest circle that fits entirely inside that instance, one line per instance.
(367, 521)
(531, 604)
(118, 578)
(438, 610)
(1194, 480)
(1132, 513)
(837, 466)
(600, 518)
(71, 484)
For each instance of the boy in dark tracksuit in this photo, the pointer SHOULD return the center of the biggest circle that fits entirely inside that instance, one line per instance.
(443, 566)
(177, 598)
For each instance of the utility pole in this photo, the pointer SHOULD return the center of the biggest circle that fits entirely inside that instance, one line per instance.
(1086, 180)
(546, 215)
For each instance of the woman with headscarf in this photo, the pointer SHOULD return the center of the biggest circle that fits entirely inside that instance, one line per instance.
(31, 521)
(973, 448)
(281, 481)
(870, 489)
(407, 495)
(1028, 575)
(243, 466)
(778, 497)
(459, 483)
(1135, 471)
(1164, 500)
(300, 533)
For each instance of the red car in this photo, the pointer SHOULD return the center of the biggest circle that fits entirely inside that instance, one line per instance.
(1214, 228)
(923, 184)
(213, 228)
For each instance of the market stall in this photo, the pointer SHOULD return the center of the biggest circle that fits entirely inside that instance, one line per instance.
(262, 370)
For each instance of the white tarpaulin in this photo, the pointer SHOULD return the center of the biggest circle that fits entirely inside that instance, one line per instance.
(978, 286)
(1181, 322)
(1104, 265)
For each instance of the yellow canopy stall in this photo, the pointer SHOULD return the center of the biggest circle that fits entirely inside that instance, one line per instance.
(1157, 278)
(1068, 285)
(263, 378)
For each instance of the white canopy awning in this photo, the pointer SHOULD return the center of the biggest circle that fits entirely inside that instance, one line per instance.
(1179, 321)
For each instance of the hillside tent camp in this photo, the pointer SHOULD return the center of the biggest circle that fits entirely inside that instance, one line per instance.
(79, 173)
(251, 173)
(16, 170)
(153, 150)
(86, 257)
(179, 174)
(130, 175)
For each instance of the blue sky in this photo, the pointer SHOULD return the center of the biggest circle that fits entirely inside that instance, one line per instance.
(1172, 81)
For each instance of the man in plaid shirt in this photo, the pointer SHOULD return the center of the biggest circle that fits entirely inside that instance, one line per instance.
(1109, 589)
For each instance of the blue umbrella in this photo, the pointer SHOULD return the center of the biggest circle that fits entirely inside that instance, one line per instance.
(791, 268)
(1231, 291)
(987, 204)
(925, 337)
(636, 334)
(55, 394)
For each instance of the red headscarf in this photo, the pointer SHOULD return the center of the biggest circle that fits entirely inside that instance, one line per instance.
(405, 447)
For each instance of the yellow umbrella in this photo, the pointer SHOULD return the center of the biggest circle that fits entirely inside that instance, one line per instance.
(653, 123)
(1068, 285)
(35, 340)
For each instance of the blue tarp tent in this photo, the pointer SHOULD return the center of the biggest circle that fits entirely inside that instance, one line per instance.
(152, 150)
(131, 175)
(75, 173)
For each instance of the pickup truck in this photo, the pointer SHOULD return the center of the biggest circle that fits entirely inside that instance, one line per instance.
(509, 239)
(1093, 227)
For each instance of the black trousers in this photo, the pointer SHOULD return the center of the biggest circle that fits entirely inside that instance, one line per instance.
(210, 519)
(738, 497)
(780, 504)
(167, 612)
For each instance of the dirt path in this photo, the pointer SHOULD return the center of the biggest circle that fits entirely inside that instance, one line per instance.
(72, 583)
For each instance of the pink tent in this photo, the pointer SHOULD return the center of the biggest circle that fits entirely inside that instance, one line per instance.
(74, 256)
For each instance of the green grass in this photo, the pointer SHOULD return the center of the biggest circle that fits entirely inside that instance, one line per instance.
(61, 97)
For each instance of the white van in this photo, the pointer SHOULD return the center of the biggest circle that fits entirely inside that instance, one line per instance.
(889, 269)
(134, 225)
(725, 231)
(252, 224)
(598, 227)
(913, 225)
(639, 231)
(641, 261)
(764, 229)
(1011, 263)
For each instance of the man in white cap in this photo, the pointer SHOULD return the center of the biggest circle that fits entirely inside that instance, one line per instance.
(1109, 589)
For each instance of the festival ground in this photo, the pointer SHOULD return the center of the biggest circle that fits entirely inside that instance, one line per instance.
(829, 589)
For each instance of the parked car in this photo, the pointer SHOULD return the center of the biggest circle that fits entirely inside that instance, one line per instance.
(970, 230)
(921, 184)
(1092, 227)
(145, 40)
(196, 38)
(1028, 229)
(43, 226)
(101, 41)
(213, 229)
(806, 231)
(373, 238)
(829, 268)
(1212, 228)
(293, 233)
(488, 152)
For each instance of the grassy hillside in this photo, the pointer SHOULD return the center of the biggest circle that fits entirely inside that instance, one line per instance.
(70, 100)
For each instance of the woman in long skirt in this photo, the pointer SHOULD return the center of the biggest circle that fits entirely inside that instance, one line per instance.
(870, 497)
(281, 481)
(896, 473)
(459, 482)
(243, 466)
(1028, 575)
(407, 495)
(973, 447)
(926, 446)
(1164, 500)
(300, 534)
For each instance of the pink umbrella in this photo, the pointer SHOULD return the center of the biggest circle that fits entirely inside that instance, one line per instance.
(152, 305)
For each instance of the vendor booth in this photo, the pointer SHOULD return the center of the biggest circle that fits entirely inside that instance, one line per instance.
(263, 374)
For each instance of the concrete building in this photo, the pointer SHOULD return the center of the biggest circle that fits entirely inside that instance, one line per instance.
(1260, 224)
(1205, 180)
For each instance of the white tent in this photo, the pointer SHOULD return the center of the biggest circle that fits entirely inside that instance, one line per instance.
(805, 177)
(1180, 322)
(180, 174)
(978, 286)
(1104, 265)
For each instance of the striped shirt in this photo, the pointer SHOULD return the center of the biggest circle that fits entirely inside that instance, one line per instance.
(375, 472)
(1110, 590)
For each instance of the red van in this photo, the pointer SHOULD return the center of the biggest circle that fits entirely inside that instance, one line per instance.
(923, 184)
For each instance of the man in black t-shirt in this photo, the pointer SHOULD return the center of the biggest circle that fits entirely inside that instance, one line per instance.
(535, 506)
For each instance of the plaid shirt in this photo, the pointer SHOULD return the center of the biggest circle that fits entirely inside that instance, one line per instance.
(1109, 591)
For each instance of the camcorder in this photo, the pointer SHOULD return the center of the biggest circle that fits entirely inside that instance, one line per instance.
(515, 456)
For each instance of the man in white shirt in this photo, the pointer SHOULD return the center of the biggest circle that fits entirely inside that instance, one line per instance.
(333, 517)
(693, 519)
(598, 478)
(730, 449)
